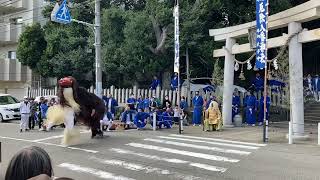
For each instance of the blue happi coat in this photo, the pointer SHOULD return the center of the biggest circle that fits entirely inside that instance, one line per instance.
(174, 83)
(251, 105)
(140, 120)
(197, 111)
(261, 107)
(183, 105)
(235, 106)
(140, 104)
(258, 83)
(155, 83)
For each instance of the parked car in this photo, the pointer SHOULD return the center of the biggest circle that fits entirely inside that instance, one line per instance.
(9, 108)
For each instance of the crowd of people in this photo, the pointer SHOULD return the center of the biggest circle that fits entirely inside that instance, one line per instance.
(175, 80)
(34, 113)
(140, 111)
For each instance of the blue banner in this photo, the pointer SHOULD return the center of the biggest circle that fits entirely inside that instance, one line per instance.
(262, 33)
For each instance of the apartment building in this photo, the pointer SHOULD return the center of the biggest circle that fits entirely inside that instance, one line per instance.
(14, 16)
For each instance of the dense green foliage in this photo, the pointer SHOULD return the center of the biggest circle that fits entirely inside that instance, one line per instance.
(137, 38)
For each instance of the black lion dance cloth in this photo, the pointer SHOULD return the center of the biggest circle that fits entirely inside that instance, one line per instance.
(76, 104)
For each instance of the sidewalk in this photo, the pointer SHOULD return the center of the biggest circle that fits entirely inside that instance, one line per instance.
(277, 133)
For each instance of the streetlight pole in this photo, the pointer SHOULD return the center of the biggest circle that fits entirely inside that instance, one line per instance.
(97, 45)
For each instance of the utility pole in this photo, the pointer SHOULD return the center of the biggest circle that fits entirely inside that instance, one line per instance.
(97, 45)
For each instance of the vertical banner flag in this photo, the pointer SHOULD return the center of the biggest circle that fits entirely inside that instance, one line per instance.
(176, 39)
(262, 33)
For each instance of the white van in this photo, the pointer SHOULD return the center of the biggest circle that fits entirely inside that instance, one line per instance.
(9, 108)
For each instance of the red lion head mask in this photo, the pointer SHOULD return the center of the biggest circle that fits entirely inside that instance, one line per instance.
(65, 82)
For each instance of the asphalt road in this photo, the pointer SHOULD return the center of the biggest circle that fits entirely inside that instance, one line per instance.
(146, 155)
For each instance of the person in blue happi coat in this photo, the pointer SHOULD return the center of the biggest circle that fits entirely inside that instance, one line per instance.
(212, 98)
(155, 83)
(140, 103)
(235, 104)
(127, 117)
(146, 104)
(251, 106)
(197, 111)
(316, 87)
(174, 82)
(111, 104)
(261, 107)
(140, 119)
(258, 83)
(131, 102)
(166, 119)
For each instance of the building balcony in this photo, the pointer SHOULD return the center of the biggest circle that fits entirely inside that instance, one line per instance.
(11, 70)
(9, 33)
(12, 6)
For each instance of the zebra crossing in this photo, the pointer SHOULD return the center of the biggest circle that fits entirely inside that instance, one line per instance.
(167, 157)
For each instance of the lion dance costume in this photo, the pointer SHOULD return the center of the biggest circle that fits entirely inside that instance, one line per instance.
(76, 104)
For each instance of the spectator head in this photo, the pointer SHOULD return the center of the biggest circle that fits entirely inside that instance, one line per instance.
(175, 74)
(183, 98)
(29, 162)
(197, 93)
(166, 97)
(25, 98)
(155, 77)
(140, 110)
(110, 96)
(41, 99)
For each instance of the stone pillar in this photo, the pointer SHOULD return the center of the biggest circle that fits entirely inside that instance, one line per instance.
(228, 84)
(296, 82)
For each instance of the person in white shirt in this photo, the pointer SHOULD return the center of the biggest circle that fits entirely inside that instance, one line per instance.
(25, 113)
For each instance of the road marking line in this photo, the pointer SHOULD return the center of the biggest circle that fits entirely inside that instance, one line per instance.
(51, 144)
(145, 169)
(95, 172)
(219, 140)
(175, 161)
(185, 153)
(207, 142)
(231, 151)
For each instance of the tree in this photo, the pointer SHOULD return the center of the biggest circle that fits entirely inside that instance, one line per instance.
(31, 46)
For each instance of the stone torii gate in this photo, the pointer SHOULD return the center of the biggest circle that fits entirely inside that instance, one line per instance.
(291, 18)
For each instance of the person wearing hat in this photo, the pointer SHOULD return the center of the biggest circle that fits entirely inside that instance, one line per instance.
(25, 113)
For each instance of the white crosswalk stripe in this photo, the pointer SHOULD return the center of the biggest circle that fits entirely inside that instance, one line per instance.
(151, 157)
(94, 172)
(145, 169)
(213, 143)
(169, 160)
(231, 151)
(185, 153)
(218, 140)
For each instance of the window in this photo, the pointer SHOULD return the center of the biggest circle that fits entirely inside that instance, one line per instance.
(4, 100)
(12, 55)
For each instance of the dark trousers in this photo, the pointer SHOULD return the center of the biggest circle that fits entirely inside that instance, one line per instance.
(40, 121)
(31, 121)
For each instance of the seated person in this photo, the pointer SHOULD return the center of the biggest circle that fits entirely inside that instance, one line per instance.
(166, 119)
(140, 120)
(28, 163)
(127, 117)
(107, 121)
